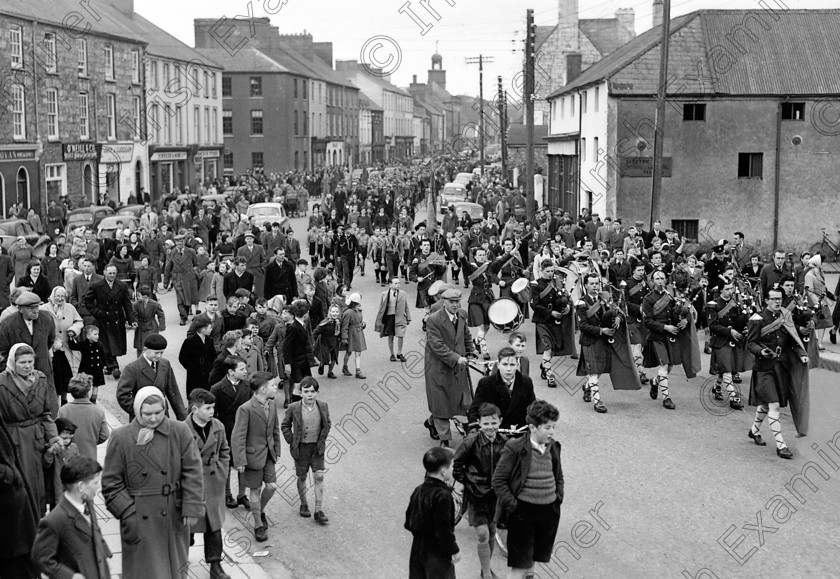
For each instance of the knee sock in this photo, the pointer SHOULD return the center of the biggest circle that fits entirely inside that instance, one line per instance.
(776, 427)
(730, 387)
(637, 358)
(485, 553)
(595, 390)
(663, 382)
(760, 413)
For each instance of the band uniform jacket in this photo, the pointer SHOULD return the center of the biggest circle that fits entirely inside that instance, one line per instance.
(725, 316)
(482, 285)
(67, 544)
(140, 373)
(635, 292)
(769, 373)
(78, 291)
(111, 308)
(448, 387)
(215, 464)
(150, 320)
(509, 272)
(424, 274)
(256, 437)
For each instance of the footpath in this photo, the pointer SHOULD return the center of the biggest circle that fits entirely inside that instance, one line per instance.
(237, 540)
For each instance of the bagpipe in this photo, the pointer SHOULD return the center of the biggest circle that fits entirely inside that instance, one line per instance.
(806, 312)
(614, 305)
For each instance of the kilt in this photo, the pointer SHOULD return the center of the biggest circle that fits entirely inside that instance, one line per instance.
(769, 386)
(595, 359)
(661, 353)
(638, 332)
(477, 314)
(423, 300)
(728, 359)
(550, 337)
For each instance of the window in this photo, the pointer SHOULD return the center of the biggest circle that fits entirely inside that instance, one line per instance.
(196, 125)
(206, 84)
(295, 85)
(207, 124)
(228, 160)
(153, 72)
(256, 86)
(297, 160)
(18, 111)
(135, 107)
(177, 78)
(196, 84)
(51, 55)
(135, 66)
(305, 90)
(215, 125)
(750, 165)
(167, 126)
(595, 152)
(296, 123)
(597, 95)
(179, 124)
(686, 228)
(155, 122)
(84, 128)
(305, 122)
(256, 160)
(256, 122)
(572, 105)
(52, 113)
(83, 68)
(213, 84)
(109, 62)
(694, 112)
(584, 96)
(166, 76)
(793, 111)
(56, 178)
(227, 88)
(16, 45)
(227, 122)
(583, 150)
(112, 116)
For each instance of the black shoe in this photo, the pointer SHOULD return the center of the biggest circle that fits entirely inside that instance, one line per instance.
(587, 395)
(231, 503)
(444, 444)
(669, 404)
(260, 535)
(432, 430)
(643, 378)
(756, 438)
(183, 322)
(320, 517)
(304, 511)
(654, 388)
(393, 358)
(401, 358)
(346, 372)
(736, 404)
(285, 404)
(244, 502)
(600, 408)
(574, 356)
(551, 383)
(717, 392)
(736, 378)
(331, 375)
(784, 452)
(116, 374)
(832, 335)
(543, 371)
(216, 571)
(707, 349)
(321, 370)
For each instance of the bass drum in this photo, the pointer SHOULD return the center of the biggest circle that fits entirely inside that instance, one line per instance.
(505, 315)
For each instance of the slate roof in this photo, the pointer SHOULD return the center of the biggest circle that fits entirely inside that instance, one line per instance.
(111, 21)
(605, 34)
(246, 59)
(163, 44)
(314, 67)
(785, 53)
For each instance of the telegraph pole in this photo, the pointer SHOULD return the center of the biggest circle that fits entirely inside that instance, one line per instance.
(530, 59)
(480, 61)
(659, 135)
(502, 100)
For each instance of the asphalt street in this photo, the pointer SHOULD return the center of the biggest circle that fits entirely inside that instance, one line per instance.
(649, 492)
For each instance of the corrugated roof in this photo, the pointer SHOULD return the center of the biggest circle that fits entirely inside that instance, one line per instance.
(246, 59)
(710, 53)
(605, 34)
(163, 44)
(111, 21)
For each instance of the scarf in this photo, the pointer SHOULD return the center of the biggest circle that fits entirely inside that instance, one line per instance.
(146, 434)
(24, 383)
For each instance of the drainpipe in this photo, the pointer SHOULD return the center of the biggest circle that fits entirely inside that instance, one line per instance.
(580, 157)
(778, 170)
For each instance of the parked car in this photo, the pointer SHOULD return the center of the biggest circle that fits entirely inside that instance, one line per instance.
(272, 212)
(87, 217)
(132, 210)
(107, 228)
(463, 178)
(11, 229)
(475, 210)
(452, 193)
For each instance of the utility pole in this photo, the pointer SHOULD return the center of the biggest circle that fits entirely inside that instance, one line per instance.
(502, 100)
(480, 61)
(530, 59)
(659, 135)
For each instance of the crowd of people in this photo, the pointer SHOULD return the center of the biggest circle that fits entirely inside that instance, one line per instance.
(263, 313)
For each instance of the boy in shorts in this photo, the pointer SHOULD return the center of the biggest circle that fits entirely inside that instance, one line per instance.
(305, 427)
(517, 341)
(430, 518)
(256, 429)
(474, 462)
(529, 486)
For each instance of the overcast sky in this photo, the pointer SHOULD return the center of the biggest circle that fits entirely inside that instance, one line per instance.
(469, 28)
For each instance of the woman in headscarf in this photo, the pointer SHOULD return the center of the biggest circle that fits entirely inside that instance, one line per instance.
(157, 509)
(25, 408)
(68, 325)
(817, 292)
(21, 254)
(36, 281)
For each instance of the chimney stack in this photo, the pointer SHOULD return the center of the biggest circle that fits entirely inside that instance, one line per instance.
(569, 25)
(574, 63)
(627, 19)
(658, 10)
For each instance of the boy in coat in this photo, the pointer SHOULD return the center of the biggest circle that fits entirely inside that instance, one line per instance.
(198, 354)
(63, 545)
(305, 427)
(209, 435)
(150, 318)
(91, 425)
(256, 429)
(232, 392)
(393, 317)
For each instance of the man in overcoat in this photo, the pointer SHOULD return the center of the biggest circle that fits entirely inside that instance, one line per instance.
(255, 262)
(150, 369)
(79, 289)
(180, 272)
(109, 303)
(448, 343)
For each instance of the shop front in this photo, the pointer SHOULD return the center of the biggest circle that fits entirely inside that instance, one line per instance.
(206, 162)
(121, 171)
(20, 180)
(168, 171)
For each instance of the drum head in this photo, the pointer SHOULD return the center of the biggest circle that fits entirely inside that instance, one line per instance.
(503, 314)
(519, 285)
(434, 289)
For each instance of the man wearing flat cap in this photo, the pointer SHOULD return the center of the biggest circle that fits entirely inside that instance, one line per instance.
(255, 262)
(150, 369)
(181, 273)
(448, 343)
(35, 327)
